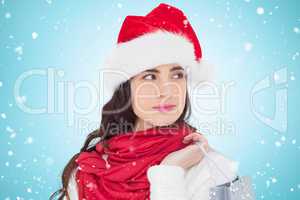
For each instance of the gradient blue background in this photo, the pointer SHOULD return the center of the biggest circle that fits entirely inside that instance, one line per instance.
(74, 36)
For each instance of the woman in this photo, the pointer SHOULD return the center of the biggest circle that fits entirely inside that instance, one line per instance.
(147, 150)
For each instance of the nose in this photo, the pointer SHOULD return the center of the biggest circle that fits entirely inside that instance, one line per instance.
(165, 89)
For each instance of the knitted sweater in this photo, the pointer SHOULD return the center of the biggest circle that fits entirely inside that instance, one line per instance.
(169, 182)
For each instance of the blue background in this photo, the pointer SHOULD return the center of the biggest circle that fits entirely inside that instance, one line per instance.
(247, 40)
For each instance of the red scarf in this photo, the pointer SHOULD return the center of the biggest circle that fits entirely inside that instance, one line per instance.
(123, 175)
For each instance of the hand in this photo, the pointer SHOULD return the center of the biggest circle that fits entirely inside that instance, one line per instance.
(190, 155)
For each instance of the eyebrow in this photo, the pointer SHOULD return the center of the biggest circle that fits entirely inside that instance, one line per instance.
(157, 71)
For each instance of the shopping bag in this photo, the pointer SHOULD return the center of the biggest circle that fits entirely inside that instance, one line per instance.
(238, 189)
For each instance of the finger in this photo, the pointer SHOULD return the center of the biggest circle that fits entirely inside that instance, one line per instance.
(203, 140)
(189, 137)
(195, 136)
(200, 138)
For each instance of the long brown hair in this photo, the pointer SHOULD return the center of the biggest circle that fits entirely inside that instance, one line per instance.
(121, 97)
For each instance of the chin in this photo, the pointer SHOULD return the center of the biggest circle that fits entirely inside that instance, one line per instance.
(164, 121)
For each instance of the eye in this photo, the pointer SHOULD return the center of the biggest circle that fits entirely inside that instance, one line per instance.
(179, 75)
(146, 77)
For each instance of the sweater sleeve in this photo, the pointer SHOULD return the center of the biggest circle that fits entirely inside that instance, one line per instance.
(204, 175)
(166, 182)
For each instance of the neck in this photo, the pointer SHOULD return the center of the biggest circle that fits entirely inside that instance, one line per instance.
(142, 125)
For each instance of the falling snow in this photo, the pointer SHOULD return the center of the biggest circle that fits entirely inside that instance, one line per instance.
(260, 10)
(7, 15)
(248, 46)
(267, 170)
(295, 55)
(277, 144)
(10, 153)
(49, 161)
(296, 30)
(19, 50)
(3, 115)
(28, 140)
(274, 180)
(9, 129)
(119, 5)
(21, 99)
(185, 22)
(292, 78)
(34, 35)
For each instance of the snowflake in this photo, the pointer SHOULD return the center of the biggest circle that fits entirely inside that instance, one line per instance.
(7, 15)
(91, 186)
(119, 5)
(21, 99)
(268, 183)
(19, 50)
(49, 161)
(260, 10)
(185, 22)
(3, 115)
(28, 140)
(277, 144)
(29, 190)
(296, 30)
(292, 78)
(274, 180)
(248, 46)
(19, 165)
(10, 153)
(34, 35)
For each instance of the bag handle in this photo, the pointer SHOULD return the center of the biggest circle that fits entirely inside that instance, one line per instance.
(200, 144)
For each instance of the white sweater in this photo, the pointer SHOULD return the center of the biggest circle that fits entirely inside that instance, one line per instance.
(169, 182)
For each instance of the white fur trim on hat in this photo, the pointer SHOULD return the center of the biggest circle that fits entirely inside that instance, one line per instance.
(149, 51)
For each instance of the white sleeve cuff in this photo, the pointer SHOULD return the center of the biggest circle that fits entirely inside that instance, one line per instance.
(166, 182)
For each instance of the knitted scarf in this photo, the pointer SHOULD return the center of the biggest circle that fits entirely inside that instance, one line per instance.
(119, 171)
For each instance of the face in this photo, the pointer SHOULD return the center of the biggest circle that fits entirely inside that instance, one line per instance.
(158, 94)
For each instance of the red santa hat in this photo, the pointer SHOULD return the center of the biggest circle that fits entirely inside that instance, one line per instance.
(163, 36)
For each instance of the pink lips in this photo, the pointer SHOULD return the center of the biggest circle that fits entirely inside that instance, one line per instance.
(164, 107)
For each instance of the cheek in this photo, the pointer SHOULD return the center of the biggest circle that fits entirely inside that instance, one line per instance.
(179, 91)
(145, 91)
(143, 97)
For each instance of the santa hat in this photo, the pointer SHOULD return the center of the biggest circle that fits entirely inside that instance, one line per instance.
(163, 36)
